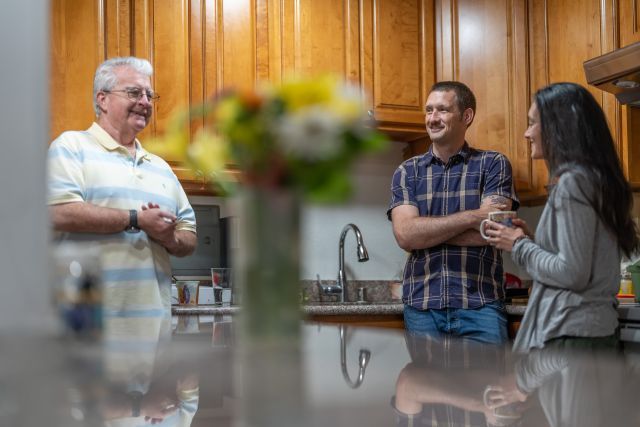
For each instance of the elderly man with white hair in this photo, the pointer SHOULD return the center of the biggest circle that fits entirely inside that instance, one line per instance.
(105, 188)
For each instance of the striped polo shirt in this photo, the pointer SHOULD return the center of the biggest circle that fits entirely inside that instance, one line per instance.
(449, 276)
(90, 166)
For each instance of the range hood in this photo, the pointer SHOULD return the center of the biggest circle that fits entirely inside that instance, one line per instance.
(617, 72)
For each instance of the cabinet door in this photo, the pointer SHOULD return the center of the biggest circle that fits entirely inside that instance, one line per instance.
(319, 37)
(74, 60)
(629, 13)
(160, 32)
(562, 36)
(399, 45)
(385, 46)
(483, 43)
(505, 50)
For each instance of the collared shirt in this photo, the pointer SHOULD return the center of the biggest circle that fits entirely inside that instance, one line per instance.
(90, 166)
(449, 276)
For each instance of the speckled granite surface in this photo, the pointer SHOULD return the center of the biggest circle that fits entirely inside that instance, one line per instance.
(376, 290)
(324, 308)
(379, 299)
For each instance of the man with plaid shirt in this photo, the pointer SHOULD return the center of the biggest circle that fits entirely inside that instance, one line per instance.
(453, 279)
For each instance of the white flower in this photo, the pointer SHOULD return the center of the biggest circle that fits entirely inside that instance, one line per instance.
(313, 133)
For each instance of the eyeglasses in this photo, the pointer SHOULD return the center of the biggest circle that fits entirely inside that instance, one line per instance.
(135, 93)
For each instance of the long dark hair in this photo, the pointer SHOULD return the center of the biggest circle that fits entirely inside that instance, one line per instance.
(575, 133)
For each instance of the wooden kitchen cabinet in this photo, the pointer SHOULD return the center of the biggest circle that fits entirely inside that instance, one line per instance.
(507, 49)
(200, 47)
(386, 47)
(629, 14)
(186, 41)
(393, 49)
(486, 44)
(400, 47)
(395, 321)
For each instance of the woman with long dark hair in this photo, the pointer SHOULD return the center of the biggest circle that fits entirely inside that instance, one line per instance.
(585, 227)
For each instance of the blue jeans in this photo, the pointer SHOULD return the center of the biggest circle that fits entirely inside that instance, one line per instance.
(487, 324)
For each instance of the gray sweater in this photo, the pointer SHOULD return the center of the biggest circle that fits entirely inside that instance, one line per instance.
(575, 266)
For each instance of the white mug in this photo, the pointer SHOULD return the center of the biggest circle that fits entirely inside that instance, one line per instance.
(503, 217)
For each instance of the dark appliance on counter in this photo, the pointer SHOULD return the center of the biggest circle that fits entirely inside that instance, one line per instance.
(211, 250)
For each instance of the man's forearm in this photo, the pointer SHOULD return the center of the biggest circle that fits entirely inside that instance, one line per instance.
(80, 217)
(426, 232)
(184, 243)
(468, 238)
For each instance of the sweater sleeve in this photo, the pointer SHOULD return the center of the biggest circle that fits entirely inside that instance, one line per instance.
(576, 225)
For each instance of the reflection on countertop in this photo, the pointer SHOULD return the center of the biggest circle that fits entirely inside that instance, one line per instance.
(183, 373)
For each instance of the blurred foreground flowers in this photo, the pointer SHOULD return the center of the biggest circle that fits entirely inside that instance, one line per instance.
(302, 135)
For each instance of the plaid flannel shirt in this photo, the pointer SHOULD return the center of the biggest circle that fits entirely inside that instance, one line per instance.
(449, 276)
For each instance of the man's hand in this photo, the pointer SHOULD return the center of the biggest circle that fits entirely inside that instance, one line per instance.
(157, 405)
(161, 227)
(490, 204)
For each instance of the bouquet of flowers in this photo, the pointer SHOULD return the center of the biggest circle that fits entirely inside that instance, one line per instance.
(300, 135)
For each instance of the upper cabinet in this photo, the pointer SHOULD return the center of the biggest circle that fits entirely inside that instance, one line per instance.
(484, 44)
(507, 49)
(399, 47)
(200, 47)
(386, 47)
(394, 50)
(629, 15)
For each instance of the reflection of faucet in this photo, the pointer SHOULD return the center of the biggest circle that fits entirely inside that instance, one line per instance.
(363, 256)
(363, 360)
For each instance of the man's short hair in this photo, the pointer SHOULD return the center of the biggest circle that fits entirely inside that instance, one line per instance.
(464, 96)
(106, 79)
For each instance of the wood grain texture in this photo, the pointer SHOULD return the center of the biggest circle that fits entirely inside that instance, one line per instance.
(629, 13)
(76, 49)
(403, 43)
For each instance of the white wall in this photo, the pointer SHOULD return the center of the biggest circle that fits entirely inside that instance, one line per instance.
(322, 225)
(25, 302)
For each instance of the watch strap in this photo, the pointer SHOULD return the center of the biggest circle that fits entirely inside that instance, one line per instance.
(136, 403)
(133, 218)
(133, 222)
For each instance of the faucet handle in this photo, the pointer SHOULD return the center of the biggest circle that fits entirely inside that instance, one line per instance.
(362, 295)
(327, 289)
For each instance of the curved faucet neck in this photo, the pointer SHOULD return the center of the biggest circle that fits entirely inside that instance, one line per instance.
(342, 278)
(363, 360)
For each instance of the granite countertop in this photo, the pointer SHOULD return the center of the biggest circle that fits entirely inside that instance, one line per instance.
(323, 308)
(337, 375)
(379, 296)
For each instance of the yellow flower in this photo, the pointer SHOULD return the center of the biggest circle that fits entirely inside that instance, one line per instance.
(174, 144)
(298, 94)
(227, 111)
(208, 153)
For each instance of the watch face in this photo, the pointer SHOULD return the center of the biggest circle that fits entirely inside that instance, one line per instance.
(132, 229)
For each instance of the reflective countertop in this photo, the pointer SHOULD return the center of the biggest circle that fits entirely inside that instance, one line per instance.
(322, 308)
(191, 371)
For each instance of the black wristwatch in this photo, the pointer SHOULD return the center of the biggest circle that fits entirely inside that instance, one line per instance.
(136, 402)
(133, 222)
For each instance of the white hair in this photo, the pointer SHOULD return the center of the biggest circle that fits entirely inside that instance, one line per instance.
(106, 79)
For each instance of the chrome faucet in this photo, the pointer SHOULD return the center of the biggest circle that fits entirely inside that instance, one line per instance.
(363, 360)
(363, 256)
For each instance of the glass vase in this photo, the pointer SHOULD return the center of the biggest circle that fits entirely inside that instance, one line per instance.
(269, 264)
(269, 361)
